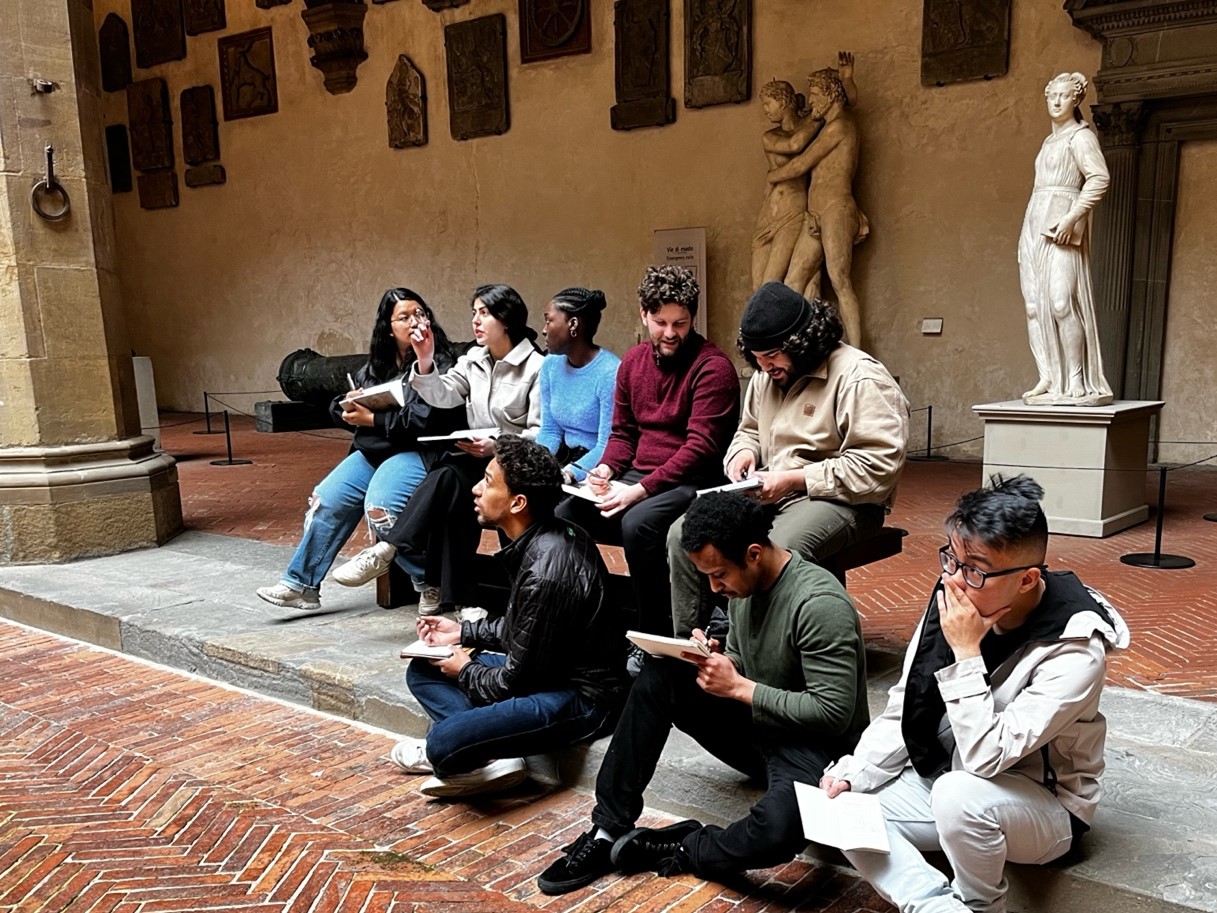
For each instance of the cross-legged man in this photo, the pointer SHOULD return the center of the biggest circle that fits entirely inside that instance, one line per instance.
(824, 428)
(553, 668)
(789, 689)
(991, 744)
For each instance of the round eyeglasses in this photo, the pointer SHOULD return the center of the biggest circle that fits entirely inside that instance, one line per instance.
(972, 575)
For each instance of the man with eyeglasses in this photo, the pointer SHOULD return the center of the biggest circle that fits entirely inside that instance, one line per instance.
(991, 744)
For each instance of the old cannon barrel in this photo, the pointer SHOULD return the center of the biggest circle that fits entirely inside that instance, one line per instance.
(309, 377)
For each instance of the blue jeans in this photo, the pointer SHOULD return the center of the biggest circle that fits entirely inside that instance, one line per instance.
(338, 504)
(464, 737)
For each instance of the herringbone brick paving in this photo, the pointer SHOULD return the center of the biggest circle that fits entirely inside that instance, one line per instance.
(128, 788)
(1173, 614)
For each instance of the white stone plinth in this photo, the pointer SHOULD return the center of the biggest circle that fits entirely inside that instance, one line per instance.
(1091, 460)
(145, 395)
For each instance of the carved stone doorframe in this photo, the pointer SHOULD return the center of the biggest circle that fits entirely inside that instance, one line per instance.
(1157, 88)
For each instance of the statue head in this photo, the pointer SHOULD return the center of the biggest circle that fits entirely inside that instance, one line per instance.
(778, 97)
(827, 83)
(1071, 85)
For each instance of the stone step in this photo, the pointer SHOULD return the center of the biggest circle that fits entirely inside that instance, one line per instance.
(191, 605)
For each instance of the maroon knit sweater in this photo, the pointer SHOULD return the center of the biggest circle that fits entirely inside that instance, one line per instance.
(673, 422)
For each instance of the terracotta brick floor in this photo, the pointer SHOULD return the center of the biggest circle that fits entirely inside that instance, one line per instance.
(1173, 614)
(151, 791)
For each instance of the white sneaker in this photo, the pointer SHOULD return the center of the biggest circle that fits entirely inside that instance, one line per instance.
(283, 595)
(495, 776)
(411, 756)
(367, 565)
(471, 613)
(428, 601)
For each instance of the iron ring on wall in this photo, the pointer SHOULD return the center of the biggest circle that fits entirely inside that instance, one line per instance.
(45, 190)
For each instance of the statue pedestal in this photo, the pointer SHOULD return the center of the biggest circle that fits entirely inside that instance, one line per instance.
(1091, 460)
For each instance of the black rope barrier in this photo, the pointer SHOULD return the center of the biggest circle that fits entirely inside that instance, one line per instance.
(1156, 559)
(228, 443)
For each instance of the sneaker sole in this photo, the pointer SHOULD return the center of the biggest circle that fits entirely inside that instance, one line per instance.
(442, 790)
(289, 603)
(557, 888)
(363, 582)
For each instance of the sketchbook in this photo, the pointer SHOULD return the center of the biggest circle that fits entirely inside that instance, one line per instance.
(420, 650)
(659, 645)
(381, 397)
(585, 492)
(851, 821)
(747, 484)
(465, 434)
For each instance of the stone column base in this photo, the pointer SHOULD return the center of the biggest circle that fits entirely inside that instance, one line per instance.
(79, 500)
(1091, 460)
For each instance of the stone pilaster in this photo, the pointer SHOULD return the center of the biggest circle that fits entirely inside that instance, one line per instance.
(76, 477)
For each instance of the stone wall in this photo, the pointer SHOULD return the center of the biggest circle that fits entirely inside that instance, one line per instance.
(319, 215)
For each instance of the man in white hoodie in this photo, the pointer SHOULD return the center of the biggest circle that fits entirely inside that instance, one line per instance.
(991, 744)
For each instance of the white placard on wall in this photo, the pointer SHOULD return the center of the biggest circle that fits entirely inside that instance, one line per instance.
(685, 247)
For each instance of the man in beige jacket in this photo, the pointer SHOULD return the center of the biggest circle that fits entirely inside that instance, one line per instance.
(824, 428)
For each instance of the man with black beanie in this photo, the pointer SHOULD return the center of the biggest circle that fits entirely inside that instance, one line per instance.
(824, 427)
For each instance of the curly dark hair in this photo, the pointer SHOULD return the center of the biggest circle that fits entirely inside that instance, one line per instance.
(1004, 515)
(666, 285)
(729, 521)
(530, 470)
(810, 346)
(583, 303)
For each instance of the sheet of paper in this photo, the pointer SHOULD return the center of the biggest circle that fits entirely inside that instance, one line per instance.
(420, 650)
(585, 492)
(463, 435)
(658, 645)
(851, 821)
(742, 485)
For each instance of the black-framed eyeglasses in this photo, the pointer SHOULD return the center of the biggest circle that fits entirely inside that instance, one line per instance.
(972, 575)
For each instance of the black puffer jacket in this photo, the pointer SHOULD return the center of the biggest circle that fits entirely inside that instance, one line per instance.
(396, 431)
(559, 630)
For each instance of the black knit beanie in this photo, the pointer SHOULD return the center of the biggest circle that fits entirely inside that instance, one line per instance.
(773, 313)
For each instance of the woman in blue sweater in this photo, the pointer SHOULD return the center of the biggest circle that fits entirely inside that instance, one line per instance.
(577, 382)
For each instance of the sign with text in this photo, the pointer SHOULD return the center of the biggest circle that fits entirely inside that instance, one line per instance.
(685, 247)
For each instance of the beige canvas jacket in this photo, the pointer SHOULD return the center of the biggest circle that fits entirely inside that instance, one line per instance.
(846, 425)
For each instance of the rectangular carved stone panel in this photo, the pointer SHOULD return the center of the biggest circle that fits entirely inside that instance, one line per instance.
(204, 16)
(964, 39)
(204, 175)
(158, 190)
(247, 74)
(118, 158)
(643, 68)
(151, 124)
(554, 28)
(477, 76)
(200, 132)
(114, 43)
(160, 33)
(718, 52)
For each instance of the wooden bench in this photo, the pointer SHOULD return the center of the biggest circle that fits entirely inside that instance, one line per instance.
(886, 543)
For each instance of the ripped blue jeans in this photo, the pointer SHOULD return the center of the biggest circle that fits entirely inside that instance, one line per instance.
(353, 489)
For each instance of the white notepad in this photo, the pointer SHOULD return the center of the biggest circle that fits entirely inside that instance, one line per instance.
(462, 435)
(658, 645)
(747, 484)
(851, 821)
(420, 650)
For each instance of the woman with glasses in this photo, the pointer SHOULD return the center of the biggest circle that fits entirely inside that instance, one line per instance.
(496, 383)
(386, 463)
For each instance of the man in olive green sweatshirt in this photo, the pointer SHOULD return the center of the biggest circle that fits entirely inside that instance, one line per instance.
(786, 694)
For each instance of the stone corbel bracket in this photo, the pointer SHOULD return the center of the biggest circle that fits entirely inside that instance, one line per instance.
(436, 5)
(336, 37)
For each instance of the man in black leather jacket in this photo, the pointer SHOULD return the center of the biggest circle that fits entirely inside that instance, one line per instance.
(549, 673)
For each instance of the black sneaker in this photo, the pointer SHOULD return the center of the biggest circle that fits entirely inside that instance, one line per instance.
(654, 848)
(586, 860)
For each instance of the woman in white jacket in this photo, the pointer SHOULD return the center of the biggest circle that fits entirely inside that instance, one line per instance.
(991, 744)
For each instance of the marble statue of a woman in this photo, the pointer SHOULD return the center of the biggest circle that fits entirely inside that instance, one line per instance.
(1054, 255)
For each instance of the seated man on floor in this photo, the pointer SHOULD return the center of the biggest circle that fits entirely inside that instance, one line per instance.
(789, 691)
(991, 744)
(677, 402)
(824, 427)
(555, 671)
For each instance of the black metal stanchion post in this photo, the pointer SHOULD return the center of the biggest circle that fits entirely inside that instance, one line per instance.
(1156, 559)
(929, 437)
(228, 441)
(207, 413)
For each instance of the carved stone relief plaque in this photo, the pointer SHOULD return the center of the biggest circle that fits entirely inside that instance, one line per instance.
(151, 124)
(118, 158)
(477, 76)
(160, 33)
(554, 28)
(247, 74)
(643, 69)
(437, 5)
(200, 132)
(158, 190)
(718, 52)
(964, 39)
(114, 44)
(204, 16)
(406, 105)
(205, 175)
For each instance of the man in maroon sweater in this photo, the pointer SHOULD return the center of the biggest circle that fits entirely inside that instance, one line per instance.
(677, 404)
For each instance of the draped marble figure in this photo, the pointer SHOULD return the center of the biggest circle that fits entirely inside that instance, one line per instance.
(1054, 255)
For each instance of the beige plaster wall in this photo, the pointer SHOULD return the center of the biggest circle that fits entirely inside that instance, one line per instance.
(319, 215)
(1189, 365)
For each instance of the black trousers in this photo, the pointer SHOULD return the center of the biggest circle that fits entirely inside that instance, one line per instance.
(666, 694)
(440, 528)
(642, 532)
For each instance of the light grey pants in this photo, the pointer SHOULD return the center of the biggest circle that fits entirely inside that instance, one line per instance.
(979, 823)
(815, 529)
